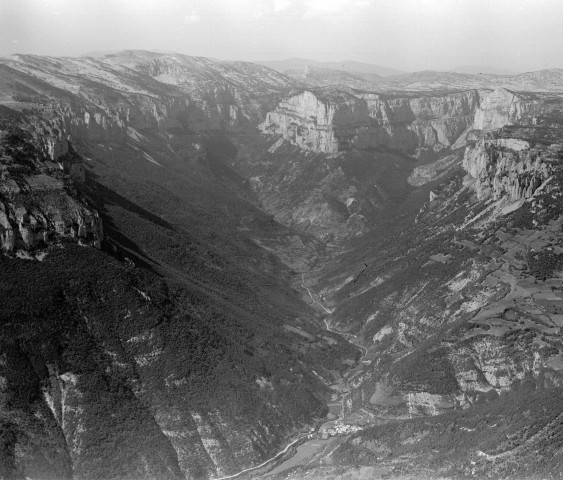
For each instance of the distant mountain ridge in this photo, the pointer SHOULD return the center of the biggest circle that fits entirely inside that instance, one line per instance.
(550, 80)
(365, 76)
(346, 66)
(487, 69)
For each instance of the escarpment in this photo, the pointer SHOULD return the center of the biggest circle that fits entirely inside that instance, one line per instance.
(229, 97)
(333, 121)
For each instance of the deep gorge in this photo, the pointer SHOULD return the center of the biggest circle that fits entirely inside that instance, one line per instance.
(176, 241)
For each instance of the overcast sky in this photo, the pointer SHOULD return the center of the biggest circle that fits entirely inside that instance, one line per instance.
(518, 35)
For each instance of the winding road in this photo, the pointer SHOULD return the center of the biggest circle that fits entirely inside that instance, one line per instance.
(315, 300)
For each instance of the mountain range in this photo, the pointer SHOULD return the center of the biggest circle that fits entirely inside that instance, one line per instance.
(300, 64)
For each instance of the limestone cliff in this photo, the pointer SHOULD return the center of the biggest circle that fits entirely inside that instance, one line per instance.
(498, 108)
(319, 121)
(425, 122)
(331, 121)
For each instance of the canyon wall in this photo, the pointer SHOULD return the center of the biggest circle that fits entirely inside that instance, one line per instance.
(69, 117)
(330, 122)
(319, 122)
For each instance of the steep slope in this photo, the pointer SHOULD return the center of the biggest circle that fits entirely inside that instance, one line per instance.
(37, 204)
(336, 163)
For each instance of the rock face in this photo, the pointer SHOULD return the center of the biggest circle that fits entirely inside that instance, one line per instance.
(35, 207)
(426, 122)
(506, 166)
(498, 108)
(320, 122)
(332, 121)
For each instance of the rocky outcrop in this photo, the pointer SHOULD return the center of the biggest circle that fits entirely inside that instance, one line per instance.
(332, 121)
(506, 167)
(37, 206)
(57, 146)
(56, 215)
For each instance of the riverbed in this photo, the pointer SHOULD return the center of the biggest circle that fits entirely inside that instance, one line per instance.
(304, 451)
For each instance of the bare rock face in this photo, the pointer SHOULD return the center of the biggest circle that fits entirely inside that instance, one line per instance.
(332, 121)
(498, 108)
(505, 166)
(57, 146)
(431, 122)
(90, 124)
(7, 235)
(320, 122)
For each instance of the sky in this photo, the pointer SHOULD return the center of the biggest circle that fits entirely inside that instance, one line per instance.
(410, 35)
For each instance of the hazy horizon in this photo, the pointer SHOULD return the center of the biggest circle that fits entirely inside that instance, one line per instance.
(407, 35)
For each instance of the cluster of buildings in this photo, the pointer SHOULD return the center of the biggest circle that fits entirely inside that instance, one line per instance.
(337, 430)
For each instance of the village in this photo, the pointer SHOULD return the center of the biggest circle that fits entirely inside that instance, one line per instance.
(336, 429)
